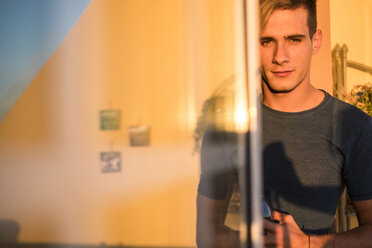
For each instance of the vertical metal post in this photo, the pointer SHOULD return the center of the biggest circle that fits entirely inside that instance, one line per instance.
(251, 171)
(344, 51)
(336, 70)
(254, 86)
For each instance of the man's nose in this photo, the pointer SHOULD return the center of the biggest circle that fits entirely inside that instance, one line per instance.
(281, 55)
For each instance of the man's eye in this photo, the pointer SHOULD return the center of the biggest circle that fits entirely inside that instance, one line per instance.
(265, 42)
(294, 40)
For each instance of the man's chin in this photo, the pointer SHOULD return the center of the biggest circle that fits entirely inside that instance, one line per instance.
(277, 89)
(281, 91)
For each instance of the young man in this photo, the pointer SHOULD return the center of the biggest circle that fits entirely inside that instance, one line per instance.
(314, 145)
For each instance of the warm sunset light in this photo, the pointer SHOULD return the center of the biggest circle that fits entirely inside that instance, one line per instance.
(241, 116)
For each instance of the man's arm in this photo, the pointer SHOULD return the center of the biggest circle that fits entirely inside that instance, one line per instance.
(360, 236)
(210, 229)
(288, 234)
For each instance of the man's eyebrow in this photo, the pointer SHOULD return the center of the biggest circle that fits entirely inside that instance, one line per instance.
(266, 38)
(292, 36)
(295, 36)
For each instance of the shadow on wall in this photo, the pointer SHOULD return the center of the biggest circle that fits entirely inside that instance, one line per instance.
(9, 230)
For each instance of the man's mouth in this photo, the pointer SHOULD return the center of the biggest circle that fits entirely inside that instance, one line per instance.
(283, 73)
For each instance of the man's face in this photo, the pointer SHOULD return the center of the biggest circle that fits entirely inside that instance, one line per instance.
(286, 50)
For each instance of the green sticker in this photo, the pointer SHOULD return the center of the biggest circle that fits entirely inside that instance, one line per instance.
(110, 119)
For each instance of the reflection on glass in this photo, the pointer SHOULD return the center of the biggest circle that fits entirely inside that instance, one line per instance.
(267, 211)
(98, 148)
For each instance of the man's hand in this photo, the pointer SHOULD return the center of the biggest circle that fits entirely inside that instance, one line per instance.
(285, 233)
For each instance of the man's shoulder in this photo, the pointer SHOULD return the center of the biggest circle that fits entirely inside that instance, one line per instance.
(217, 135)
(347, 113)
(348, 125)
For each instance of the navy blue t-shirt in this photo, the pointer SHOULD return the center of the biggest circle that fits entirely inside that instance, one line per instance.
(309, 157)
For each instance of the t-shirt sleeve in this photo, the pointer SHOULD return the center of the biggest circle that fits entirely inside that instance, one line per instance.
(217, 165)
(358, 165)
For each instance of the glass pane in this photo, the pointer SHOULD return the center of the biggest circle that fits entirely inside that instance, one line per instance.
(106, 108)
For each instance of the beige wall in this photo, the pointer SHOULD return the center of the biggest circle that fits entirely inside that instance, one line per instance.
(127, 55)
(321, 74)
(157, 61)
(351, 25)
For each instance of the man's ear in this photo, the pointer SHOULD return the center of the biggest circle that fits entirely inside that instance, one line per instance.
(317, 41)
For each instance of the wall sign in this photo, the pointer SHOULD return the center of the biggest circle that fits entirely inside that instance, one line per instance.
(110, 162)
(139, 135)
(110, 119)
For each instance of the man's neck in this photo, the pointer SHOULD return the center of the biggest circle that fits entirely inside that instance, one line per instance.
(300, 99)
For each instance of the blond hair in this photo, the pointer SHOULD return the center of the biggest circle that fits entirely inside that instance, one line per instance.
(267, 7)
